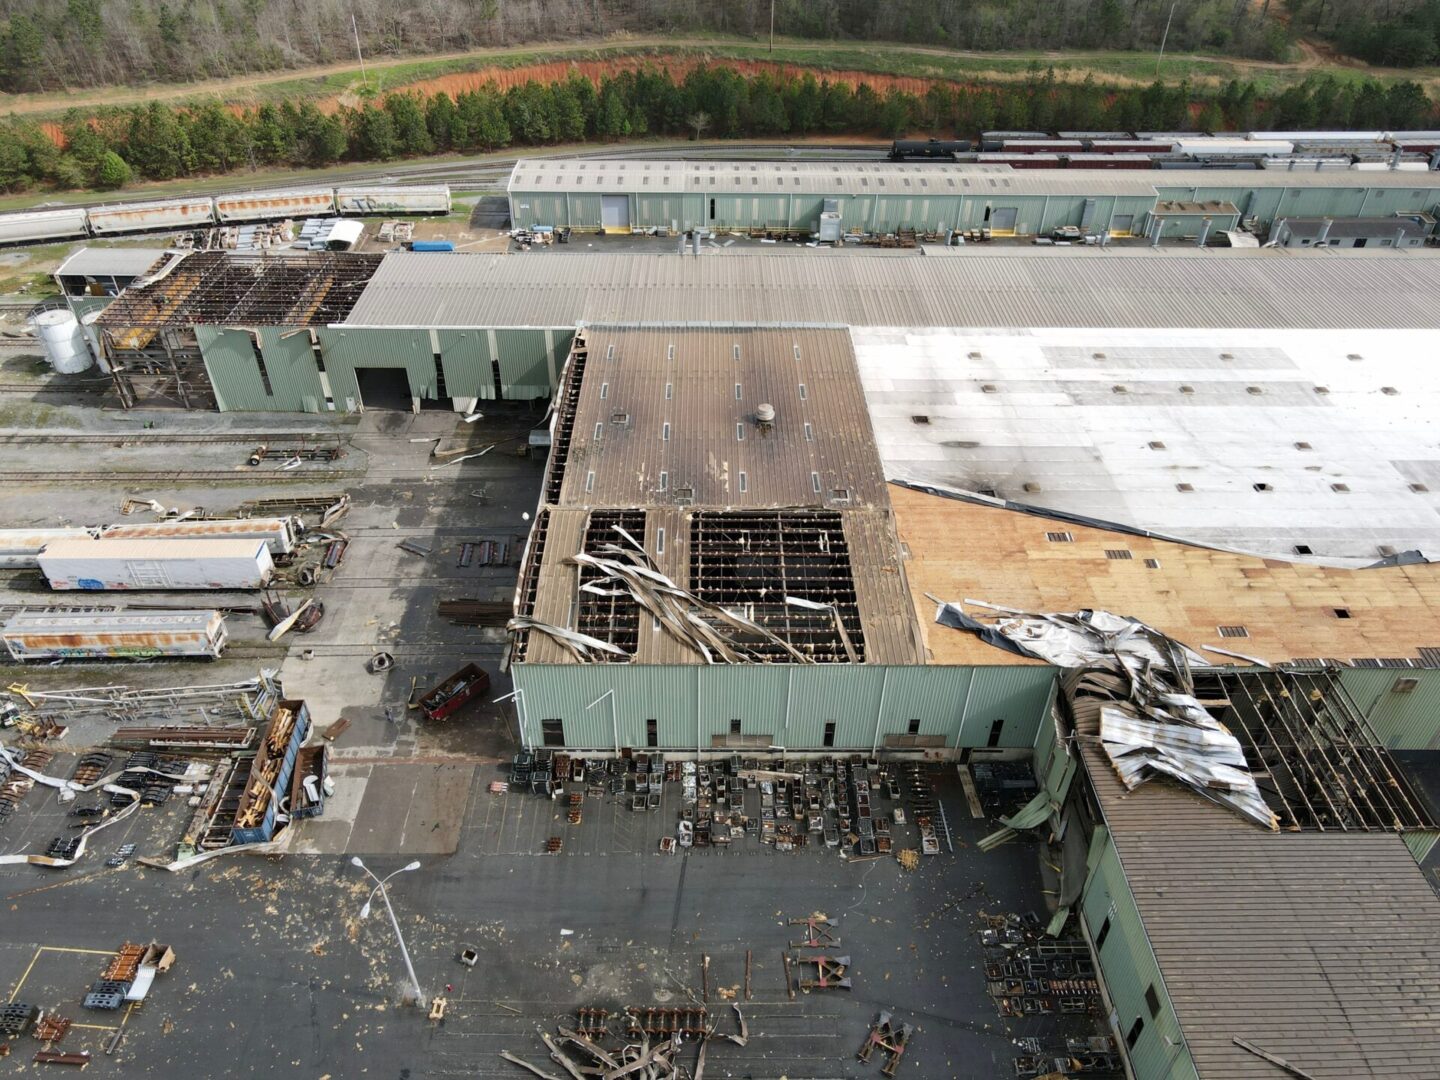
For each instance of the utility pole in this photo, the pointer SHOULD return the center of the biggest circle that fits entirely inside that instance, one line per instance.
(772, 25)
(1164, 37)
(355, 29)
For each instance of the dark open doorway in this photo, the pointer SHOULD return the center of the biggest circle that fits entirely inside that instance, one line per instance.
(384, 388)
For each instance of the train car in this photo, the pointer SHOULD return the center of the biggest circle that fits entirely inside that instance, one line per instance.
(33, 225)
(1317, 136)
(1042, 146)
(1298, 163)
(1109, 161)
(420, 199)
(993, 140)
(281, 534)
(1023, 161)
(20, 548)
(1131, 146)
(1416, 142)
(98, 565)
(114, 635)
(1209, 164)
(196, 213)
(1250, 148)
(939, 149)
(1090, 136)
(268, 205)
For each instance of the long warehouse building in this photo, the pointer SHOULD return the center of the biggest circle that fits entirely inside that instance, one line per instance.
(630, 195)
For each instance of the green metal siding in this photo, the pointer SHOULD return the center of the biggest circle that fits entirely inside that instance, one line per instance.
(791, 703)
(1129, 967)
(347, 350)
(1420, 842)
(1269, 204)
(1181, 225)
(527, 367)
(229, 356)
(1404, 721)
(653, 210)
(465, 360)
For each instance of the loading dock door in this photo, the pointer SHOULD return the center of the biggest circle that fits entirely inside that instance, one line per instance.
(384, 388)
(1002, 220)
(615, 213)
(1122, 224)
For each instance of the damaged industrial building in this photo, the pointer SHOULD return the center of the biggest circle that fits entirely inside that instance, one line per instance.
(1063, 620)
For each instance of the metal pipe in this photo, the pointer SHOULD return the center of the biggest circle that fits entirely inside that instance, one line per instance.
(1204, 232)
(880, 712)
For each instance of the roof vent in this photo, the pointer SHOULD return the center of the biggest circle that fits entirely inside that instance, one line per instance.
(765, 414)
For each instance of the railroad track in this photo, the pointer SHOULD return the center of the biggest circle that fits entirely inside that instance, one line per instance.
(269, 476)
(155, 438)
(48, 388)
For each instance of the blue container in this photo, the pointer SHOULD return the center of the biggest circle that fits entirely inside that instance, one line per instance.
(432, 245)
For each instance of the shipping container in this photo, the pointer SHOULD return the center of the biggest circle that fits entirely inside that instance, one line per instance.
(196, 213)
(307, 787)
(1109, 161)
(20, 548)
(1213, 148)
(281, 534)
(157, 564)
(1132, 146)
(42, 225)
(259, 808)
(421, 199)
(271, 205)
(114, 635)
(452, 694)
(432, 245)
(1024, 161)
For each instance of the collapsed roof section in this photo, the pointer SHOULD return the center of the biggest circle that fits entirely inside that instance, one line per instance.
(713, 496)
(217, 287)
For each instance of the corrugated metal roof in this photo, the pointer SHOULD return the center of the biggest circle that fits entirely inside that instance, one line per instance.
(110, 262)
(994, 287)
(1323, 948)
(662, 410)
(884, 178)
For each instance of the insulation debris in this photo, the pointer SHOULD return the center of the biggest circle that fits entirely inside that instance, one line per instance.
(1149, 721)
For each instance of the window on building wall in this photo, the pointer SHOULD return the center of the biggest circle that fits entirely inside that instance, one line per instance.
(1152, 1002)
(996, 730)
(552, 732)
(652, 733)
(1103, 934)
(913, 728)
(830, 733)
(734, 727)
(1133, 1035)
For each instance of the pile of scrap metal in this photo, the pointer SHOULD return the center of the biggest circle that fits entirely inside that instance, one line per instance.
(718, 635)
(582, 1055)
(1130, 688)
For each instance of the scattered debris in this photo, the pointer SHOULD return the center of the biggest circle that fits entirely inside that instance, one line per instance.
(381, 661)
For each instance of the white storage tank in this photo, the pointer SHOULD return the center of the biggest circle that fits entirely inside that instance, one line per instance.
(99, 565)
(92, 338)
(63, 340)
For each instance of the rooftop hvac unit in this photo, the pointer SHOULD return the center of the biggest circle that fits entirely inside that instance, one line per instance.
(830, 228)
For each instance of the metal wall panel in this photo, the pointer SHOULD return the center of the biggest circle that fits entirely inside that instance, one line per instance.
(229, 356)
(525, 364)
(347, 350)
(465, 359)
(1420, 842)
(1404, 721)
(1129, 968)
(852, 698)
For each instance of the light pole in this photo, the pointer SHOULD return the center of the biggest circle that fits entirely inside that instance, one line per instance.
(614, 720)
(1163, 37)
(394, 922)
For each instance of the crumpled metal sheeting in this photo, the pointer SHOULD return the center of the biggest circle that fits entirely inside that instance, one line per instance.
(1129, 686)
(718, 635)
(581, 645)
(1068, 640)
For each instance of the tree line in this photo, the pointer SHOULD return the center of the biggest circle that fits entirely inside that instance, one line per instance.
(49, 45)
(1397, 33)
(162, 142)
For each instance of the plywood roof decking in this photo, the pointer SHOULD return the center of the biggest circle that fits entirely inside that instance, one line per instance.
(689, 421)
(979, 287)
(960, 550)
(1323, 948)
